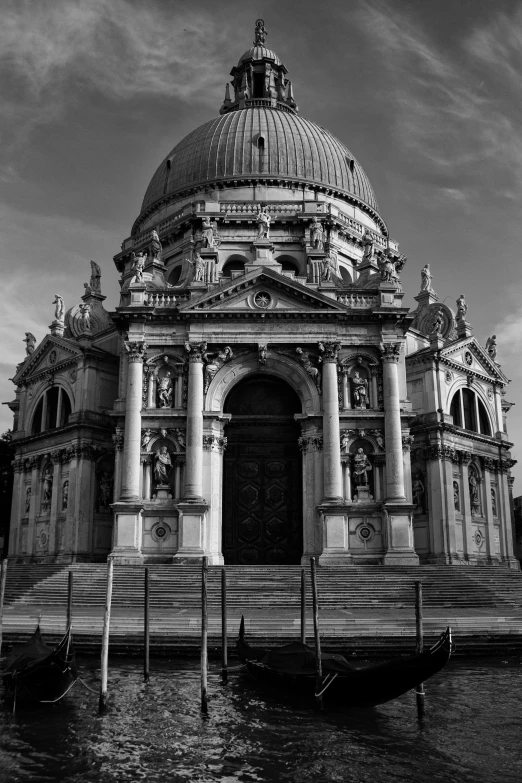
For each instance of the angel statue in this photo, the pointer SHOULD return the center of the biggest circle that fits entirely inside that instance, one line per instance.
(214, 362)
(304, 359)
(59, 309)
(389, 268)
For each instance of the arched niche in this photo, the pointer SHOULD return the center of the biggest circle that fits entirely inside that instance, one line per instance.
(475, 488)
(234, 263)
(290, 264)
(164, 381)
(104, 485)
(359, 381)
(368, 450)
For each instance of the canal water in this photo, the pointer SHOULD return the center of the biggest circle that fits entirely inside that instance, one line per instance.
(155, 732)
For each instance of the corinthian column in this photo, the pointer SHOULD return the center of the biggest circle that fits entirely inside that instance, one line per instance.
(194, 453)
(130, 489)
(392, 422)
(333, 474)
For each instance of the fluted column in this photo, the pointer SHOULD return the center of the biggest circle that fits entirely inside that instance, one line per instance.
(132, 444)
(194, 452)
(333, 476)
(392, 423)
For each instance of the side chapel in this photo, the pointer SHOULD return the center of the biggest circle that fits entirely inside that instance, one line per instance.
(260, 393)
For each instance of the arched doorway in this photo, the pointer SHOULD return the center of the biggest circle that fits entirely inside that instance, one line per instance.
(262, 488)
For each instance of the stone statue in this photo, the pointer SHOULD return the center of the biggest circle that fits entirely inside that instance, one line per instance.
(59, 309)
(361, 468)
(345, 442)
(261, 355)
(146, 438)
(316, 234)
(95, 281)
(329, 269)
(260, 33)
(214, 361)
(162, 466)
(379, 439)
(105, 494)
(368, 246)
(47, 486)
(456, 496)
(27, 499)
(180, 437)
(360, 390)
(65, 495)
(263, 223)
(199, 268)
(389, 269)
(426, 278)
(84, 317)
(491, 347)
(436, 327)
(156, 246)
(304, 359)
(165, 391)
(474, 494)
(417, 491)
(30, 343)
(138, 264)
(493, 502)
(462, 308)
(209, 233)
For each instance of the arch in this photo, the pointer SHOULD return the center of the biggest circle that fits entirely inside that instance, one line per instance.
(281, 366)
(345, 275)
(51, 409)
(175, 274)
(289, 263)
(265, 395)
(234, 263)
(470, 411)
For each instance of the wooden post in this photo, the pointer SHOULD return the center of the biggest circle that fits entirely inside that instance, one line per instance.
(224, 642)
(419, 690)
(69, 600)
(318, 662)
(105, 638)
(204, 634)
(3, 577)
(146, 639)
(303, 606)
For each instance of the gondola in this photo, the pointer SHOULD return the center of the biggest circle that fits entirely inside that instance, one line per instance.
(41, 673)
(293, 668)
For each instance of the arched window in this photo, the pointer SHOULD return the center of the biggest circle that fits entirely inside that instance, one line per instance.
(234, 264)
(53, 410)
(288, 264)
(468, 411)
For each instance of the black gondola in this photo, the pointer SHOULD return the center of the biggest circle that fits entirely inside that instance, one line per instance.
(42, 673)
(293, 667)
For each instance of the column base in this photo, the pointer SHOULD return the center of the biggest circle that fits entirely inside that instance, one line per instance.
(192, 526)
(336, 541)
(127, 533)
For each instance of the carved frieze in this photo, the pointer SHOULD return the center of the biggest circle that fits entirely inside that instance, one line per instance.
(407, 441)
(303, 357)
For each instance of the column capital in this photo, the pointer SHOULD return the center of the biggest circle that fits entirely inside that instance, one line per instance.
(390, 352)
(310, 443)
(214, 443)
(329, 351)
(195, 352)
(489, 464)
(118, 440)
(441, 451)
(136, 351)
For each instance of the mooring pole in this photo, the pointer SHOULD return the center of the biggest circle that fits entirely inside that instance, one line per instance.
(105, 638)
(419, 690)
(204, 634)
(318, 662)
(146, 638)
(303, 606)
(69, 600)
(3, 577)
(224, 641)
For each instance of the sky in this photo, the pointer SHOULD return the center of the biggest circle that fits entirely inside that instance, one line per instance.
(426, 95)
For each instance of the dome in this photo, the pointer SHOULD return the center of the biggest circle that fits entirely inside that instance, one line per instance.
(258, 52)
(229, 147)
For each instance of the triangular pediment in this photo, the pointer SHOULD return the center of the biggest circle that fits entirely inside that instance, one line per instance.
(472, 357)
(52, 353)
(263, 290)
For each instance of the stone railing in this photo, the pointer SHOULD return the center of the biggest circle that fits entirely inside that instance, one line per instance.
(251, 207)
(358, 300)
(164, 299)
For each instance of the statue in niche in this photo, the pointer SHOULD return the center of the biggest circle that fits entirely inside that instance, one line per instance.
(30, 343)
(162, 466)
(474, 494)
(304, 359)
(494, 502)
(491, 347)
(138, 265)
(95, 281)
(65, 495)
(462, 308)
(417, 491)
(27, 499)
(263, 220)
(426, 278)
(360, 390)
(456, 495)
(437, 325)
(59, 309)
(368, 246)
(316, 234)
(156, 246)
(105, 490)
(84, 317)
(198, 266)
(47, 486)
(361, 468)
(214, 361)
(165, 391)
(146, 438)
(345, 442)
(209, 233)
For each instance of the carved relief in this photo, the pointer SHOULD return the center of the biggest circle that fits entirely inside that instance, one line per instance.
(456, 495)
(213, 363)
(117, 439)
(303, 358)
(27, 500)
(261, 355)
(65, 495)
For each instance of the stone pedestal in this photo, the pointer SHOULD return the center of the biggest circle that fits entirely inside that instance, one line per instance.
(57, 328)
(335, 536)
(263, 251)
(362, 494)
(137, 292)
(126, 549)
(192, 536)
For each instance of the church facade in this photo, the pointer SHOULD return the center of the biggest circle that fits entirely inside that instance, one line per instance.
(260, 393)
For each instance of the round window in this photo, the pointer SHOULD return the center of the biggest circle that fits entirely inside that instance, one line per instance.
(262, 299)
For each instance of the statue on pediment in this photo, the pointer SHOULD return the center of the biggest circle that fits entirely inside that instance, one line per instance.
(156, 246)
(30, 343)
(59, 309)
(368, 242)
(198, 266)
(462, 308)
(95, 281)
(491, 347)
(329, 269)
(426, 278)
(84, 317)
(304, 358)
(138, 264)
